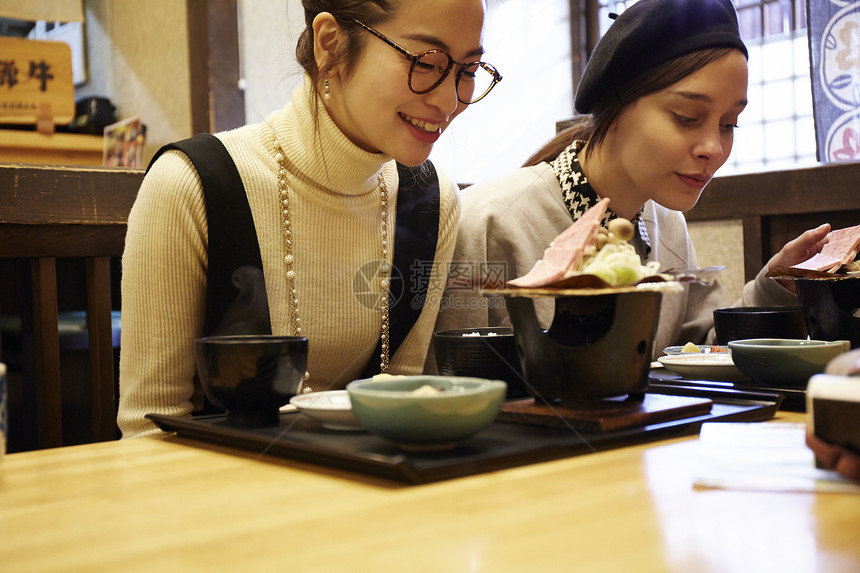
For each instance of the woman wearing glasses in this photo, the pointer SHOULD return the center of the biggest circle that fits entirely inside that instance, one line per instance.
(660, 97)
(351, 242)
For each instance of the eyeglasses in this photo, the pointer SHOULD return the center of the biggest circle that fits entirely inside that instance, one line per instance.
(473, 80)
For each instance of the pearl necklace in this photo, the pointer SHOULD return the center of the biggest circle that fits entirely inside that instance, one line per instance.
(289, 259)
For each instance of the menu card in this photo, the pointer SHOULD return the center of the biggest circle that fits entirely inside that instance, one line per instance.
(123, 143)
(764, 457)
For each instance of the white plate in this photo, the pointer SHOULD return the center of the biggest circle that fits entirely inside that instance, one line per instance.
(717, 366)
(332, 409)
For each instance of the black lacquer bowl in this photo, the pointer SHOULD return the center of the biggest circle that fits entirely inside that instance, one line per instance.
(831, 308)
(251, 376)
(488, 352)
(744, 322)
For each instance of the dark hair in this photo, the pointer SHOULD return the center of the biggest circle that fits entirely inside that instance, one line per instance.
(593, 128)
(369, 12)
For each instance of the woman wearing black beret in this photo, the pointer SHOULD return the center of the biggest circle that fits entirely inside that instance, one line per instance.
(660, 100)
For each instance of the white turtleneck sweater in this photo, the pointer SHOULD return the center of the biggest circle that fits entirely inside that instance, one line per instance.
(336, 225)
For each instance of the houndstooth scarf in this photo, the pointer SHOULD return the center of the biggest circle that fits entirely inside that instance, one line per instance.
(579, 196)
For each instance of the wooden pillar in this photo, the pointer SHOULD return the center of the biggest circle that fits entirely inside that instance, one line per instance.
(217, 102)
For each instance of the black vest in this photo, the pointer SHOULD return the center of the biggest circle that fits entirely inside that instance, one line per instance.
(235, 294)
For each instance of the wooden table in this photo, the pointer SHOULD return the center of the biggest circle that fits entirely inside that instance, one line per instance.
(176, 505)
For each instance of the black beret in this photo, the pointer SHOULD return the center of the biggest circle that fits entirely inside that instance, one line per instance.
(652, 32)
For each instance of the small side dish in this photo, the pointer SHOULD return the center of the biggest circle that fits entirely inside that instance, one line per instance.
(717, 367)
(421, 413)
(332, 409)
(691, 348)
(785, 362)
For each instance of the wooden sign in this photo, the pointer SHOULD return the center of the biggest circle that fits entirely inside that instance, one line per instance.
(35, 82)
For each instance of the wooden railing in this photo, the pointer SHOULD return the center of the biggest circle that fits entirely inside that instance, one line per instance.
(776, 206)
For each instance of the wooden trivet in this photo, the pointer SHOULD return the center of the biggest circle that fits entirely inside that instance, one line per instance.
(605, 415)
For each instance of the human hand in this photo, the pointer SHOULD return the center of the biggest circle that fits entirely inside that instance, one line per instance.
(798, 250)
(843, 462)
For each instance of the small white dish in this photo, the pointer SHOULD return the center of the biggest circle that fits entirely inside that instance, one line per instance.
(332, 409)
(717, 366)
(703, 349)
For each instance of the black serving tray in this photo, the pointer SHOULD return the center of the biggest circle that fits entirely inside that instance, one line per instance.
(791, 398)
(501, 445)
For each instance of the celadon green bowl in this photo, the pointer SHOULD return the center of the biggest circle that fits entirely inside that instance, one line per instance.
(389, 407)
(781, 362)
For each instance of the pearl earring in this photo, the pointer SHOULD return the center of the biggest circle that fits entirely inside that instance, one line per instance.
(327, 93)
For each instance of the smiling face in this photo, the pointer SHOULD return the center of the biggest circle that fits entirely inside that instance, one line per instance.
(372, 103)
(667, 145)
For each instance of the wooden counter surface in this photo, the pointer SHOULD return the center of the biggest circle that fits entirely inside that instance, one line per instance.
(172, 504)
(21, 146)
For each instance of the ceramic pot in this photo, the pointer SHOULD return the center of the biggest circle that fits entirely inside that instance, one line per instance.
(597, 346)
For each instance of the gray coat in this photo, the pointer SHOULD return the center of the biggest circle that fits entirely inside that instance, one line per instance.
(505, 226)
